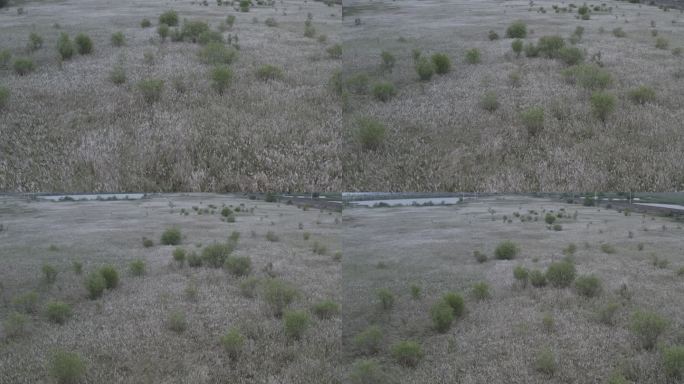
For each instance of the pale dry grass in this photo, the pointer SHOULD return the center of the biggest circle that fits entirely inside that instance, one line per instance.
(498, 339)
(440, 138)
(123, 337)
(68, 128)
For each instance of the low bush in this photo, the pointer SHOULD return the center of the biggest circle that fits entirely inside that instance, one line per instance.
(118, 77)
(602, 104)
(269, 72)
(221, 77)
(118, 39)
(171, 236)
(521, 274)
(407, 353)
(248, 287)
(169, 18)
(506, 250)
(571, 55)
(95, 283)
(49, 274)
(151, 91)
(179, 256)
(271, 22)
(517, 30)
(647, 327)
(493, 35)
(588, 76)
(549, 218)
(367, 372)
(369, 340)
(137, 267)
(278, 295)
(163, 31)
(618, 32)
(232, 343)
(326, 309)
(387, 61)
(481, 257)
(607, 248)
(531, 50)
(473, 56)
(588, 286)
(177, 322)
(295, 323)
(215, 255)
(662, 43)
(673, 360)
(84, 45)
(4, 96)
(642, 95)
(550, 46)
(58, 312)
(545, 362)
(23, 66)
(35, 42)
(385, 298)
(239, 265)
(384, 91)
(65, 47)
(145, 23)
(5, 58)
(606, 313)
(537, 278)
(561, 274)
(77, 267)
(456, 303)
(533, 120)
(110, 275)
(481, 291)
(441, 63)
(557, 227)
(147, 243)
(272, 237)
(216, 53)
(489, 101)
(517, 46)
(66, 367)
(415, 291)
(14, 325)
(442, 315)
(193, 29)
(334, 51)
(425, 69)
(194, 260)
(370, 133)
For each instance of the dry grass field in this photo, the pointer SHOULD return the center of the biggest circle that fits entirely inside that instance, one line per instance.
(83, 124)
(510, 332)
(498, 121)
(165, 322)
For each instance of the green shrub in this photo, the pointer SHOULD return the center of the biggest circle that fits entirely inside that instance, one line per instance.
(384, 91)
(550, 218)
(369, 340)
(602, 104)
(662, 43)
(517, 46)
(271, 236)
(145, 23)
(221, 77)
(66, 367)
(244, 5)
(319, 248)
(118, 39)
(557, 227)
(473, 56)
(239, 265)
(171, 236)
(179, 256)
(151, 90)
(642, 95)
(647, 327)
(230, 20)
(147, 243)
(49, 274)
(358, 83)
(588, 76)
(335, 51)
(571, 55)
(194, 260)
(531, 50)
(65, 47)
(588, 286)
(271, 22)
(442, 315)
(441, 63)
(506, 250)
(110, 275)
(58, 312)
(23, 66)
(215, 255)
(533, 120)
(481, 291)
(492, 35)
(673, 360)
(118, 77)
(561, 274)
(479, 256)
(537, 278)
(387, 61)
(14, 325)
(425, 69)
(680, 271)
(367, 372)
(521, 274)
(407, 353)
(545, 362)
(370, 133)
(415, 291)
(606, 313)
(95, 284)
(137, 267)
(326, 309)
(27, 302)
(386, 298)
(5, 58)
(550, 46)
(295, 323)
(517, 30)
(35, 42)
(489, 101)
(84, 45)
(233, 342)
(269, 72)
(248, 287)
(217, 53)
(192, 30)
(177, 322)
(618, 32)
(456, 303)
(278, 295)
(607, 248)
(163, 31)
(77, 266)
(169, 18)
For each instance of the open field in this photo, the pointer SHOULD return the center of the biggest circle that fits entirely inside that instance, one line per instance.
(511, 332)
(499, 121)
(165, 323)
(84, 124)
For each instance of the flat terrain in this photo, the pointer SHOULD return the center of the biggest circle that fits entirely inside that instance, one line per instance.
(67, 127)
(124, 337)
(438, 135)
(497, 340)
